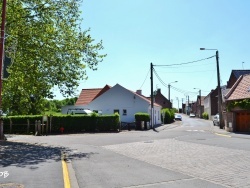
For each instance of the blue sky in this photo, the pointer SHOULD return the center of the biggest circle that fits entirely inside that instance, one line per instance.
(165, 32)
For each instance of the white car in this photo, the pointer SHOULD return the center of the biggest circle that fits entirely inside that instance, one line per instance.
(216, 120)
(177, 117)
(192, 115)
(73, 111)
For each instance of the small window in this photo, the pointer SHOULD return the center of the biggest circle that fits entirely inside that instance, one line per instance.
(124, 112)
(116, 111)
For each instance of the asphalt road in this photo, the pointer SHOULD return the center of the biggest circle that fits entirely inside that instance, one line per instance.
(186, 154)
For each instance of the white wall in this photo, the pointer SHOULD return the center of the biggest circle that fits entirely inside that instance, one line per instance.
(121, 99)
(207, 105)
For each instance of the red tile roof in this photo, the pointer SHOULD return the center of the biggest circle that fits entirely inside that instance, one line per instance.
(88, 95)
(241, 89)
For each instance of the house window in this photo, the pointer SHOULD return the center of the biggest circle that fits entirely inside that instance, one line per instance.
(124, 112)
(116, 111)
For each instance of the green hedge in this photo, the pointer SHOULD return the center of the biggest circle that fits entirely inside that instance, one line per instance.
(168, 115)
(71, 123)
(140, 116)
(20, 124)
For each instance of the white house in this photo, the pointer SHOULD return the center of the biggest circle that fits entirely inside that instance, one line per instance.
(125, 102)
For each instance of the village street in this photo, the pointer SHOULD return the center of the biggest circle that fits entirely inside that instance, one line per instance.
(188, 153)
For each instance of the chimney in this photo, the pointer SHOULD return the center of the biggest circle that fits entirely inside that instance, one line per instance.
(159, 91)
(138, 92)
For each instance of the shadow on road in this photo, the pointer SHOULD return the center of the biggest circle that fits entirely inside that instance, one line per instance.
(23, 154)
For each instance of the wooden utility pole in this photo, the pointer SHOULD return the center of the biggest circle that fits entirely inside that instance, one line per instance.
(152, 96)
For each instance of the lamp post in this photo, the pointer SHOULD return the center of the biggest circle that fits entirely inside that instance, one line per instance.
(178, 104)
(200, 101)
(219, 88)
(169, 89)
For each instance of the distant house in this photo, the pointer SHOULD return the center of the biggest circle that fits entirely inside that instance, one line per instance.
(211, 102)
(198, 109)
(237, 118)
(160, 99)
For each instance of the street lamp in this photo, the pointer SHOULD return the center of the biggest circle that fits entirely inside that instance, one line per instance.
(219, 88)
(169, 89)
(178, 104)
(200, 101)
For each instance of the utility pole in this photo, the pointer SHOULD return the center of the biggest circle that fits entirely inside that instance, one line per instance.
(219, 90)
(182, 105)
(188, 106)
(200, 104)
(169, 92)
(178, 104)
(169, 89)
(152, 96)
(1, 63)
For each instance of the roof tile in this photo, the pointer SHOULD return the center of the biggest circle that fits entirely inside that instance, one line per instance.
(241, 90)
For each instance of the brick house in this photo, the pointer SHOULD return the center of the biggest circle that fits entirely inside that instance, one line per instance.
(235, 74)
(196, 106)
(161, 99)
(237, 118)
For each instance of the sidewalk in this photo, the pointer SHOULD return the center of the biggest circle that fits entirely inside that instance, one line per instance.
(223, 132)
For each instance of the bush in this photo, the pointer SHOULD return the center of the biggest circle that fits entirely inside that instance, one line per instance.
(205, 115)
(168, 115)
(140, 116)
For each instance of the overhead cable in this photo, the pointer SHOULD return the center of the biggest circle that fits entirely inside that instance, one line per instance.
(186, 62)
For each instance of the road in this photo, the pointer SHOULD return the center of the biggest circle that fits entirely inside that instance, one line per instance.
(186, 153)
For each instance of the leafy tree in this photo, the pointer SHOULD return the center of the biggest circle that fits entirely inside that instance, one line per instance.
(48, 48)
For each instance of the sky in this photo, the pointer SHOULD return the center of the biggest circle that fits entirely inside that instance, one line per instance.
(136, 33)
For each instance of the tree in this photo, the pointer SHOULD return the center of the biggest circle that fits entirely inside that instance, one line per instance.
(48, 48)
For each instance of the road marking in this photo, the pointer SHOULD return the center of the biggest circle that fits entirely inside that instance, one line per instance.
(65, 172)
(195, 130)
(223, 135)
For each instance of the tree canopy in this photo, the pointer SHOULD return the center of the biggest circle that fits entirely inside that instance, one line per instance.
(48, 48)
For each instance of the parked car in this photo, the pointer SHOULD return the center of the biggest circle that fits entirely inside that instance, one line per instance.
(83, 111)
(191, 115)
(178, 117)
(216, 120)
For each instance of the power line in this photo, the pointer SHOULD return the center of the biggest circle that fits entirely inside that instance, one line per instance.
(186, 62)
(189, 72)
(145, 79)
(163, 83)
(182, 91)
(176, 89)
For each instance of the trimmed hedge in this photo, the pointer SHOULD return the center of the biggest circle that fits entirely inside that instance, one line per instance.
(140, 116)
(71, 123)
(20, 124)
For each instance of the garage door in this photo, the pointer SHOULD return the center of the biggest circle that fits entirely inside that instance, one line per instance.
(243, 122)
